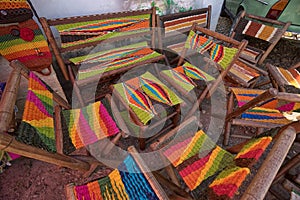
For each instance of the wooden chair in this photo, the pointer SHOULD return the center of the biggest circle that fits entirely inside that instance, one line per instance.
(138, 95)
(247, 70)
(175, 28)
(221, 55)
(40, 138)
(211, 171)
(131, 180)
(281, 78)
(263, 109)
(100, 47)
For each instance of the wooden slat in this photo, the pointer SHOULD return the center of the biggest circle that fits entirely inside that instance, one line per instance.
(8, 99)
(263, 179)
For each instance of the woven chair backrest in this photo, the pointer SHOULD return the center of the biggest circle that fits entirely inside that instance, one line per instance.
(82, 126)
(84, 31)
(219, 53)
(177, 23)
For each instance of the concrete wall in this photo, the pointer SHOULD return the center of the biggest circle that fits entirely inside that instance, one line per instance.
(66, 8)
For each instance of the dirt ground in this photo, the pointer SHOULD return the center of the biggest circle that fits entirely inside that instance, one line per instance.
(32, 179)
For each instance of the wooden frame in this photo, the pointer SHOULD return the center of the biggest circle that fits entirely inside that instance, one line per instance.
(175, 20)
(69, 188)
(277, 80)
(64, 62)
(233, 113)
(258, 55)
(211, 87)
(87, 164)
(267, 171)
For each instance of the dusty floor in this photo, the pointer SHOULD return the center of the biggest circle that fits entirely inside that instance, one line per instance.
(32, 179)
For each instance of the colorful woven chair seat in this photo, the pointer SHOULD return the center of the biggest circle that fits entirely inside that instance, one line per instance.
(126, 182)
(138, 91)
(285, 77)
(261, 109)
(199, 161)
(104, 61)
(270, 111)
(184, 75)
(85, 126)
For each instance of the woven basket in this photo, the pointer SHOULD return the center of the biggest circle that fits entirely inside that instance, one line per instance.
(12, 11)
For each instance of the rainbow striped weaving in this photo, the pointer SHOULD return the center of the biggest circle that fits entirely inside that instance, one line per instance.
(268, 111)
(286, 76)
(228, 182)
(252, 151)
(183, 75)
(242, 71)
(257, 30)
(137, 91)
(38, 114)
(218, 53)
(222, 55)
(99, 30)
(104, 61)
(199, 43)
(176, 26)
(89, 124)
(197, 159)
(126, 182)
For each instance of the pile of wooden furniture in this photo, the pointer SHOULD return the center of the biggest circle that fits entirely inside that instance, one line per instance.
(147, 75)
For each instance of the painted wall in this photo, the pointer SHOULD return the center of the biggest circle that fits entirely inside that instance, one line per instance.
(66, 8)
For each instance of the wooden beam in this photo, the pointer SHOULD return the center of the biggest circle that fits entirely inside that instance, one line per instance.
(8, 100)
(260, 184)
(9, 144)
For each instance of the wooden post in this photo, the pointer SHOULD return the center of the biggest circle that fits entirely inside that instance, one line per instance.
(8, 100)
(58, 130)
(263, 179)
(69, 188)
(8, 143)
(54, 46)
(228, 123)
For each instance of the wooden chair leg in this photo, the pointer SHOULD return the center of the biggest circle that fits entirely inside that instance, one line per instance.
(228, 122)
(69, 188)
